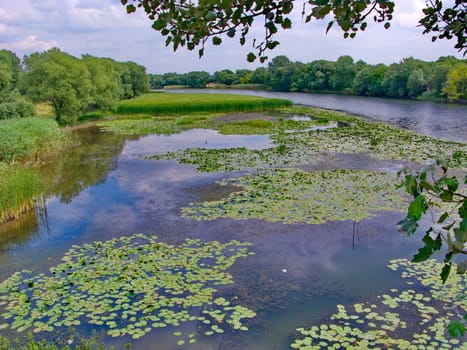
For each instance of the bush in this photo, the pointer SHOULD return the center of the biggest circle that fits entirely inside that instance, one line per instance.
(15, 106)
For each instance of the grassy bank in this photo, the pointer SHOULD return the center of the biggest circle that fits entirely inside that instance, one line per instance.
(165, 103)
(23, 143)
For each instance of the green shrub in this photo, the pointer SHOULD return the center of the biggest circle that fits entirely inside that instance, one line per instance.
(13, 105)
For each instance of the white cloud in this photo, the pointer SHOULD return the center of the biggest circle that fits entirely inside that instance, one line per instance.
(30, 44)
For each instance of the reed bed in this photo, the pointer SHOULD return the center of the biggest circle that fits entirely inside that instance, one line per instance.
(30, 139)
(24, 142)
(20, 188)
(177, 103)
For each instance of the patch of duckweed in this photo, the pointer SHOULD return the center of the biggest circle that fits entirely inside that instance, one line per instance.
(403, 319)
(129, 286)
(295, 196)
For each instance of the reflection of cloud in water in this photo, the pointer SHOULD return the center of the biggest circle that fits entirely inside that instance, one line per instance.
(75, 212)
(154, 185)
(203, 138)
(120, 217)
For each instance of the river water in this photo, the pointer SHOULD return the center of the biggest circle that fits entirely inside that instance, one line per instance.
(299, 273)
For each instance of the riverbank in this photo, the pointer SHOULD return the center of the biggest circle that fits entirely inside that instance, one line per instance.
(24, 143)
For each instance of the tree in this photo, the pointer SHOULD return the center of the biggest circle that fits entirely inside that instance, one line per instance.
(281, 71)
(13, 63)
(344, 73)
(12, 104)
(105, 82)
(416, 83)
(368, 81)
(225, 76)
(456, 83)
(197, 79)
(193, 23)
(59, 79)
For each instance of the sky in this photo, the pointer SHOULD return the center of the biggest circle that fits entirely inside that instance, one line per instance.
(103, 28)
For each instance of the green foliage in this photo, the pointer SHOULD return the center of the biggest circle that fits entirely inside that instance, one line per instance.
(61, 79)
(113, 284)
(294, 196)
(456, 83)
(192, 103)
(438, 193)
(29, 139)
(12, 104)
(74, 86)
(19, 189)
(193, 24)
(427, 307)
(446, 21)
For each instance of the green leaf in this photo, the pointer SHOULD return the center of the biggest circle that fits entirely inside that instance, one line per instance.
(251, 57)
(445, 272)
(287, 23)
(408, 225)
(417, 207)
(456, 328)
(423, 254)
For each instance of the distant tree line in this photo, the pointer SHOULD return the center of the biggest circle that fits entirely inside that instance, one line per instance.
(411, 78)
(72, 86)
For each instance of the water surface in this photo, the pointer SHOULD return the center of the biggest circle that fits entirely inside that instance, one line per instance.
(105, 189)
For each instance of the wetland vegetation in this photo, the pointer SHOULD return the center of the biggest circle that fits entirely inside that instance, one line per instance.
(190, 291)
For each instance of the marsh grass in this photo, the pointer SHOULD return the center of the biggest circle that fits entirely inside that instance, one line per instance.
(24, 142)
(29, 139)
(20, 187)
(161, 103)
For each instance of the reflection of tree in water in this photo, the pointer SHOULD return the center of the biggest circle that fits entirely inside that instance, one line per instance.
(83, 166)
(16, 232)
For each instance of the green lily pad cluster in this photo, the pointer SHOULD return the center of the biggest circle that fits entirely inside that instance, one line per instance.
(378, 139)
(129, 286)
(295, 196)
(232, 159)
(403, 319)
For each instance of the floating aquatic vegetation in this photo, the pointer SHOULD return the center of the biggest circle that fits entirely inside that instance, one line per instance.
(404, 319)
(231, 159)
(302, 143)
(129, 286)
(378, 139)
(156, 125)
(295, 196)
